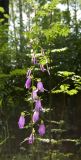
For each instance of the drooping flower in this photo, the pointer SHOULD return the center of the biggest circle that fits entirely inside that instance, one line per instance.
(34, 94)
(41, 129)
(21, 121)
(28, 73)
(40, 86)
(31, 138)
(38, 106)
(42, 68)
(35, 116)
(28, 83)
(34, 60)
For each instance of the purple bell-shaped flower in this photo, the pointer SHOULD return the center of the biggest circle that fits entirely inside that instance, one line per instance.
(28, 83)
(21, 121)
(34, 60)
(42, 68)
(41, 129)
(28, 73)
(34, 94)
(40, 86)
(35, 116)
(38, 106)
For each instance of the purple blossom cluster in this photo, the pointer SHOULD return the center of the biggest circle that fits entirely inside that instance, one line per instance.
(37, 102)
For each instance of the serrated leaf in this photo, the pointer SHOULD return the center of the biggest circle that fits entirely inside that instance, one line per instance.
(64, 87)
(65, 73)
(72, 92)
(44, 60)
(56, 91)
(18, 72)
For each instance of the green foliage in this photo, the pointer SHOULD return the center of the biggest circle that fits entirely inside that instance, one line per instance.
(1, 20)
(2, 10)
(72, 92)
(65, 73)
(6, 16)
(59, 50)
(56, 30)
(64, 89)
(18, 72)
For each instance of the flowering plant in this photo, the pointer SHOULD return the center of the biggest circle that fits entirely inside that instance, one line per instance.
(35, 99)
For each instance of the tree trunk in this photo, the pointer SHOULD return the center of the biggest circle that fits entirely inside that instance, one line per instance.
(20, 35)
(75, 17)
(68, 11)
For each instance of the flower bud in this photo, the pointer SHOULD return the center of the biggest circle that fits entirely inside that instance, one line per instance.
(31, 138)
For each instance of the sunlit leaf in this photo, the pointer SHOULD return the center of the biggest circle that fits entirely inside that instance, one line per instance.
(65, 73)
(6, 15)
(59, 50)
(64, 87)
(2, 9)
(72, 92)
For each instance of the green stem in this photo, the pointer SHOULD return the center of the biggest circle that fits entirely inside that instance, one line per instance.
(50, 97)
(50, 104)
(32, 114)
